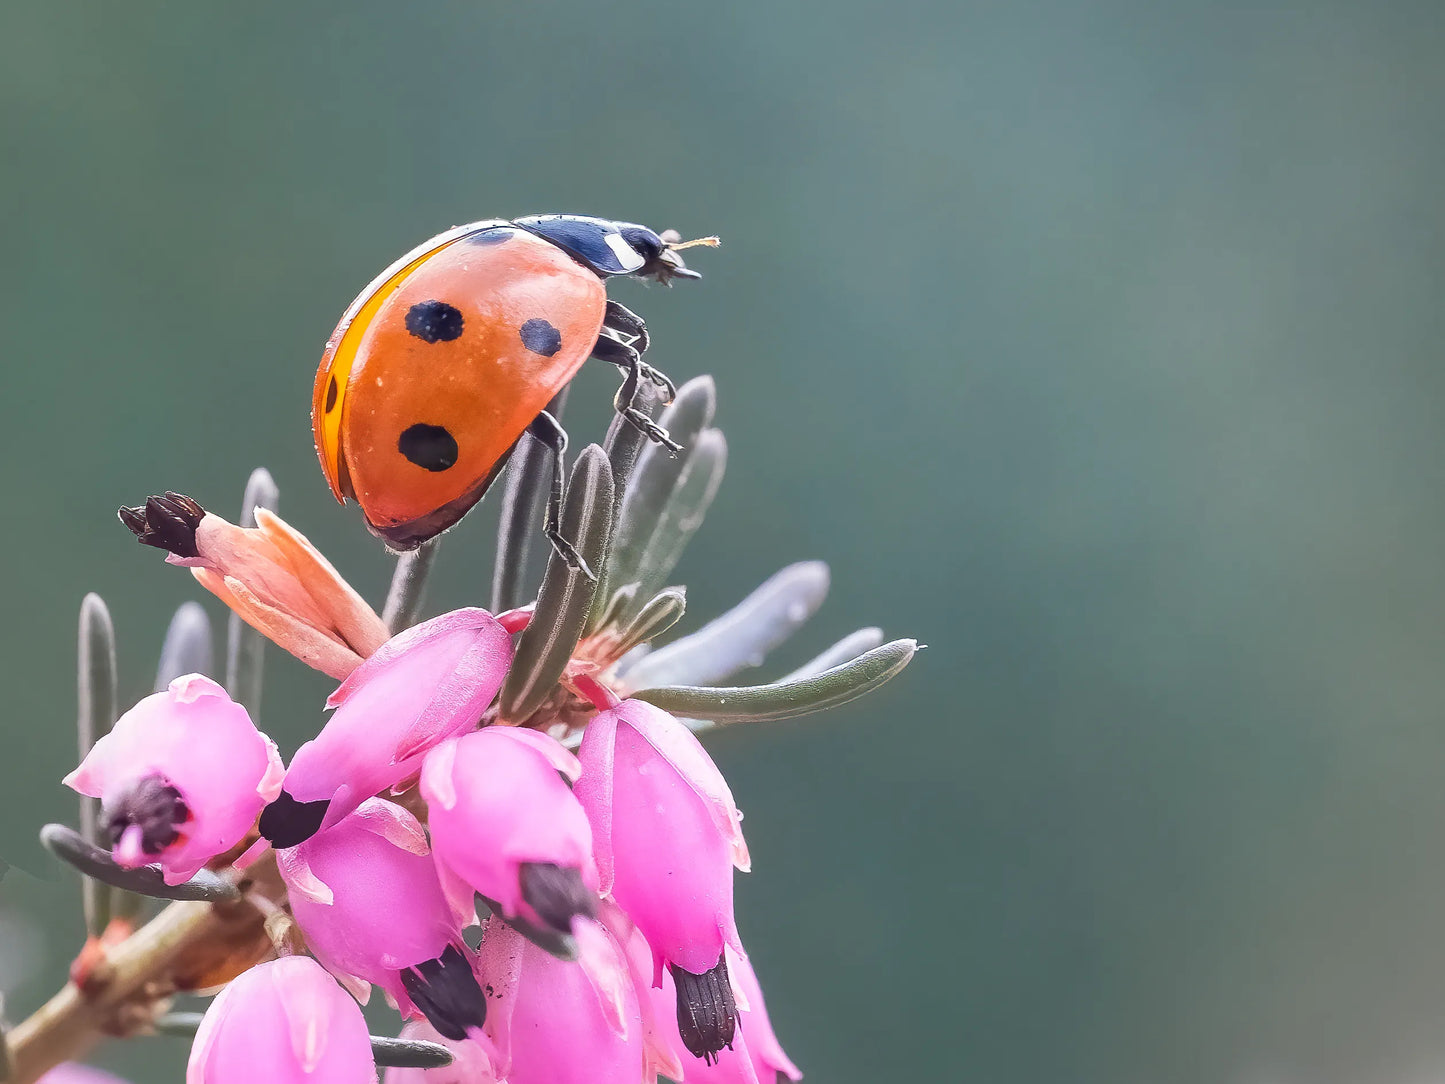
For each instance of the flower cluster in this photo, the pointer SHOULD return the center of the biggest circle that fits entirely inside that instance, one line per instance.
(507, 823)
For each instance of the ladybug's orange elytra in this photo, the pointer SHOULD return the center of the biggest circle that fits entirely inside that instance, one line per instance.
(442, 363)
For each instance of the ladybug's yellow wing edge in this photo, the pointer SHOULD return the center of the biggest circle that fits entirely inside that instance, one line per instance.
(329, 395)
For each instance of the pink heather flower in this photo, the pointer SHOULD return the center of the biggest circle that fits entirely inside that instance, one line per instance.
(666, 837)
(556, 1022)
(365, 894)
(284, 1022)
(72, 1072)
(470, 1064)
(504, 822)
(180, 778)
(423, 686)
(756, 1056)
(270, 575)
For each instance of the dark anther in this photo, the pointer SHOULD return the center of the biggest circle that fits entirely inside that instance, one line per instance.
(557, 894)
(153, 806)
(287, 822)
(706, 1013)
(168, 523)
(446, 991)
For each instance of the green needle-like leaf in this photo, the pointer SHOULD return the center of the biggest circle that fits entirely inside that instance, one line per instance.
(409, 1053)
(187, 647)
(529, 477)
(624, 441)
(740, 638)
(659, 615)
(566, 596)
(96, 688)
(785, 700)
(67, 844)
(665, 510)
(650, 485)
(245, 647)
(845, 650)
(181, 1024)
(388, 1052)
(408, 586)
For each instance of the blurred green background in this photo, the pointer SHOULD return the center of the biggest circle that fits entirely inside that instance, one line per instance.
(1097, 345)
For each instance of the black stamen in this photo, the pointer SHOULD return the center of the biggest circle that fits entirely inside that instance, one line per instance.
(707, 1016)
(168, 523)
(447, 992)
(557, 894)
(287, 822)
(152, 805)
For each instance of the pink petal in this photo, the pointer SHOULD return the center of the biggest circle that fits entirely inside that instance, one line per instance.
(679, 746)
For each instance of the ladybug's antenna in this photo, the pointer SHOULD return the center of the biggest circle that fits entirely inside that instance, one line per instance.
(678, 246)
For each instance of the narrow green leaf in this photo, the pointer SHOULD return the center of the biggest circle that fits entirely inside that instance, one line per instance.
(680, 516)
(623, 444)
(408, 586)
(181, 1024)
(96, 693)
(524, 500)
(845, 650)
(624, 441)
(388, 1052)
(655, 618)
(7, 1066)
(67, 844)
(566, 596)
(784, 700)
(409, 1053)
(245, 647)
(615, 612)
(740, 638)
(651, 483)
(187, 647)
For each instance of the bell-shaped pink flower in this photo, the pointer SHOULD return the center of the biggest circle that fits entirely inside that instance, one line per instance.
(284, 1022)
(366, 896)
(470, 1064)
(553, 1021)
(270, 575)
(180, 778)
(666, 837)
(425, 685)
(505, 822)
(756, 1056)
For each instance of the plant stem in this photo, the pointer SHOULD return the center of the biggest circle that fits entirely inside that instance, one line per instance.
(188, 945)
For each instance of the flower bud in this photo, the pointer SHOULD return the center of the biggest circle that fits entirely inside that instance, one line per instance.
(270, 575)
(423, 686)
(756, 1056)
(180, 778)
(559, 1022)
(667, 836)
(366, 896)
(505, 822)
(284, 1022)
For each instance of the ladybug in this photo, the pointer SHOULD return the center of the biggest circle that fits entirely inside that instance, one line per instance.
(441, 365)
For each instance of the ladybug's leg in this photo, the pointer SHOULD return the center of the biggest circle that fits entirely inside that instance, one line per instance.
(622, 321)
(549, 431)
(629, 361)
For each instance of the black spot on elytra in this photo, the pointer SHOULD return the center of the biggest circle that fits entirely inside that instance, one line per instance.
(434, 321)
(540, 337)
(331, 395)
(491, 237)
(428, 446)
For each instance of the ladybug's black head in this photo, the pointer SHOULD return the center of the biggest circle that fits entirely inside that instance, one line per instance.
(659, 252)
(616, 248)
